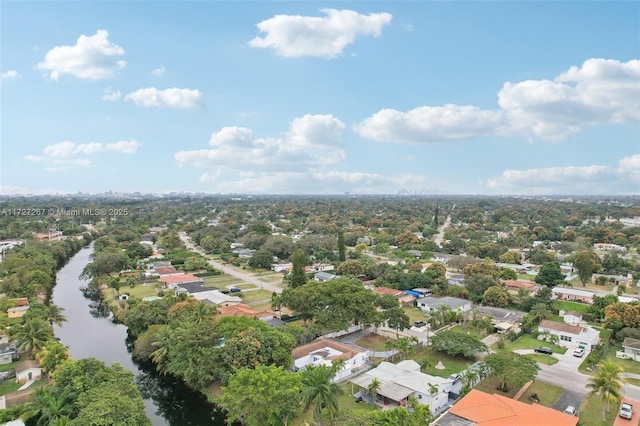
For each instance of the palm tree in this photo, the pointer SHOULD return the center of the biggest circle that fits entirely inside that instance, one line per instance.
(337, 365)
(373, 389)
(319, 391)
(54, 315)
(540, 311)
(276, 302)
(159, 356)
(607, 382)
(50, 408)
(51, 356)
(202, 311)
(33, 335)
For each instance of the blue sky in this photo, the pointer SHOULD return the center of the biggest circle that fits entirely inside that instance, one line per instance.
(320, 98)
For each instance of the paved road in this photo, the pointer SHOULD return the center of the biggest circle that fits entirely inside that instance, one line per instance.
(440, 236)
(232, 271)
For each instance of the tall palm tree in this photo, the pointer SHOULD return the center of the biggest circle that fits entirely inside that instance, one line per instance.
(318, 390)
(159, 356)
(32, 336)
(373, 389)
(50, 408)
(202, 312)
(607, 383)
(54, 315)
(276, 302)
(51, 356)
(540, 311)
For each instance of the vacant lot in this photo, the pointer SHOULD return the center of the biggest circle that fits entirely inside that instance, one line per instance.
(546, 393)
(414, 314)
(252, 296)
(527, 342)
(571, 306)
(375, 342)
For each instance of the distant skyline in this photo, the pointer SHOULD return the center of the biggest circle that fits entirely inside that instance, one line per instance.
(493, 98)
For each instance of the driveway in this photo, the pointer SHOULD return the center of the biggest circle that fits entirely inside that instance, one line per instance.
(569, 397)
(635, 418)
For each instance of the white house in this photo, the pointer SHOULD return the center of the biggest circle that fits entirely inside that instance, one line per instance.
(28, 370)
(323, 351)
(280, 267)
(632, 348)
(216, 298)
(430, 304)
(399, 381)
(324, 276)
(572, 317)
(571, 335)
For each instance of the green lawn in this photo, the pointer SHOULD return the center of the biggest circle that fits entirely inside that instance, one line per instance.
(543, 359)
(547, 394)
(262, 307)
(526, 277)
(490, 386)
(451, 364)
(220, 281)
(590, 412)
(245, 286)
(415, 314)
(527, 342)
(632, 381)
(375, 342)
(6, 367)
(571, 306)
(139, 291)
(252, 296)
(9, 386)
(478, 334)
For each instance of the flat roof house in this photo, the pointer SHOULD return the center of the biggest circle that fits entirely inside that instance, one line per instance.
(479, 408)
(430, 304)
(572, 294)
(323, 351)
(632, 348)
(398, 294)
(571, 335)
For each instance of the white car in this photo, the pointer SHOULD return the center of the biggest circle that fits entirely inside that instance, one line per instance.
(570, 410)
(578, 352)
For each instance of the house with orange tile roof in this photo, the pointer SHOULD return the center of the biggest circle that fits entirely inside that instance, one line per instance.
(479, 408)
(398, 294)
(323, 351)
(512, 286)
(172, 281)
(243, 310)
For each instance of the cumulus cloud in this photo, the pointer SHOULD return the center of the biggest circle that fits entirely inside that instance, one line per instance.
(311, 141)
(111, 95)
(168, 98)
(294, 36)
(92, 57)
(158, 72)
(69, 154)
(601, 91)
(578, 180)
(10, 75)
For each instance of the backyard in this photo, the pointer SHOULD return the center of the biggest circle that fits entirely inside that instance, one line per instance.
(375, 342)
(547, 394)
(563, 305)
(451, 364)
(527, 342)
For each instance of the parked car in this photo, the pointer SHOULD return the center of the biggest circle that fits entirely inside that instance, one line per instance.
(455, 377)
(578, 352)
(543, 350)
(626, 411)
(570, 410)
(419, 323)
(235, 290)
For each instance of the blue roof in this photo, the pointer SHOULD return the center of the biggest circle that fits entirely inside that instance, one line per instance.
(412, 293)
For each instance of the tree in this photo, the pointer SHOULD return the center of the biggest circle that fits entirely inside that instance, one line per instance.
(626, 314)
(51, 355)
(550, 275)
(54, 315)
(397, 319)
(273, 400)
(48, 408)
(319, 391)
(586, 262)
(342, 250)
(298, 276)
(457, 344)
(262, 259)
(496, 296)
(539, 312)
(277, 300)
(607, 383)
(33, 336)
(477, 284)
(511, 369)
(482, 268)
(350, 268)
(373, 389)
(597, 308)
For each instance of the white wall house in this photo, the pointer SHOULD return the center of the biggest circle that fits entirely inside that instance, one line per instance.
(571, 335)
(399, 381)
(632, 348)
(323, 351)
(430, 304)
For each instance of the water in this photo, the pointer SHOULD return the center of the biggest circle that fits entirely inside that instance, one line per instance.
(89, 332)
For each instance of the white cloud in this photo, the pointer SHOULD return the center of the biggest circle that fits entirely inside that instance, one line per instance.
(10, 75)
(111, 95)
(312, 141)
(158, 72)
(577, 180)
(66, 154)
(92, 57)
(601, 91)
(294, 36)
(170, 98)
(430, 124)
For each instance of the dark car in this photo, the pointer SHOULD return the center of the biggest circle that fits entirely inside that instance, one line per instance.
(543, 350)
(419, 323)
(225, 291)
(235, 290)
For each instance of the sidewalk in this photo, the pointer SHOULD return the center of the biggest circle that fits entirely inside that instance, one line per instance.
(26, 385)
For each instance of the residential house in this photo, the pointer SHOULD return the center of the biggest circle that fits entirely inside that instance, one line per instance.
(216, 298)
(572, 317)
(609, 247)
(281, 267)
(572, 294)
(244, 311)
(28, 370)
(171, 281)
(398, 294)
(570, 335)
(430, 304)
(244, 253)
(423, 292)
(632, 348)
(514, 286)
(324, 276)
(502, 319)
(8, 352)
(323, 351)
(399, 381)
(319, 267)
(479, 408)
(17, 311)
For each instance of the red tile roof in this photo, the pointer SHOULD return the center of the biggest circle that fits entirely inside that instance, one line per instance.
(176, 279)
(496, 410)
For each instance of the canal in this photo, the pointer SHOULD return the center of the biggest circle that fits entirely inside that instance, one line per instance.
(89, 332)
